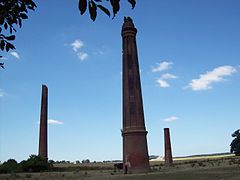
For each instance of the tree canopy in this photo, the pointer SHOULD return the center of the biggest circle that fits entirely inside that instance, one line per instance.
(13, 12)
(235, 144)
(33, 164)
(93, 5)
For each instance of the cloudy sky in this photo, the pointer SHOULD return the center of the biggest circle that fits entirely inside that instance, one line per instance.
(189, 55)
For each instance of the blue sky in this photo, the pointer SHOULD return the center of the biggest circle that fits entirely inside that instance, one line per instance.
(189, 55)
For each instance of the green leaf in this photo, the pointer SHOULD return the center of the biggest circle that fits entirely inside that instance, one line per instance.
(2, 65)
(105, 10)
(9, 46)
(23, 7)
(31, 7)
(5, 25)
(12, 46)
(23, 16)
(20, 23)
(115, 6)
(10, 38)
(33, 4)
(82, 6)
(132, 2)
(1, 20)
(2, 44)
(92, 9)
(14, 21)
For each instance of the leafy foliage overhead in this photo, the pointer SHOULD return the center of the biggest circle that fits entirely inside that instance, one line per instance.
(93, 5)
(12, 13)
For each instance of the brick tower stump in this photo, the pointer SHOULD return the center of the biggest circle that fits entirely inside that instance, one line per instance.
(168, 149)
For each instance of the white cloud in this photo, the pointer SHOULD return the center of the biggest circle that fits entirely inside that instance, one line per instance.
(162, 80)
(162, 83)
(51, 121)
(205, 81)
(170, 119)
(168, 76)
(162, 66)
(2, 93)
(82, 55)
(15, 54)
(77, 44)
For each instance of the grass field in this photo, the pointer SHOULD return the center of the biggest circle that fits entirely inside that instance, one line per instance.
(191, 168)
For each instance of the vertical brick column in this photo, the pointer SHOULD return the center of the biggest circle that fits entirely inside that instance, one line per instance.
(168, 149)
(135, 151)
(43, 151)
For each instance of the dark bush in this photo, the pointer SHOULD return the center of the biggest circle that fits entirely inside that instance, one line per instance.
(9, 166)
(34, 164)
(235, 144)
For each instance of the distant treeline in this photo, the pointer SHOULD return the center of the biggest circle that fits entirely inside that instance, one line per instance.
(85, 161)
(202, 155)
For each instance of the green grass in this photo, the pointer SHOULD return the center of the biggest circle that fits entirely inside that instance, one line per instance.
(207, 168)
